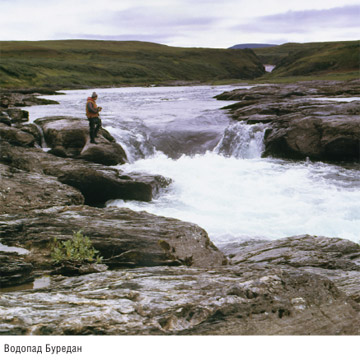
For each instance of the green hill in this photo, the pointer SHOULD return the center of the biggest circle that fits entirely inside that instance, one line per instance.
(312, 59)
(251, 46)
(88, 63)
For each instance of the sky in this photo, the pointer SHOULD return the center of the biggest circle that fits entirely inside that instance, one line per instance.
(184, 23)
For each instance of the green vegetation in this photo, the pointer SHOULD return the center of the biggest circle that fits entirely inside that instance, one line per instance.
(328, 60)
(74, 64)
(70, 64)
(77, 249)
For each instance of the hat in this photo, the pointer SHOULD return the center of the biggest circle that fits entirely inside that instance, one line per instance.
(94, 95)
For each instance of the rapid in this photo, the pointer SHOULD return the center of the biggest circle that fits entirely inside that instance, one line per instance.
(220, 181)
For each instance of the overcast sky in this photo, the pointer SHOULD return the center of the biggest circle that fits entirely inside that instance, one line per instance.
(187, 23)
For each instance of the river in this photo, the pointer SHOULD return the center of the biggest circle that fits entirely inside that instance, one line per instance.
(219, 179)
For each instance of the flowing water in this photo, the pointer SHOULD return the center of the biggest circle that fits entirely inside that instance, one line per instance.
(219, 179)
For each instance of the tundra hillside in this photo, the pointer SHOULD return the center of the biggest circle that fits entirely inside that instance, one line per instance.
(326, 60)
(88, 63)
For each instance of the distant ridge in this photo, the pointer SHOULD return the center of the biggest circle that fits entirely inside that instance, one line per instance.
(251, 46)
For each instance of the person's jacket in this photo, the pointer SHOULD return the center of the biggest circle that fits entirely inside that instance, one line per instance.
(91, 108)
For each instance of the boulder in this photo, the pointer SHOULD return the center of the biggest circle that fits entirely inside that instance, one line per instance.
(32, 129)
(16, 136)
(69, 133)
(69, 137)
(124, 238)
(104, 153)
(18, 115)
(99, 187)
(22, 191)
(331, 137)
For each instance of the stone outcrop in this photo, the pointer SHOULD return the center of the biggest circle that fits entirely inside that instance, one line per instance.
(18, 115)
(24, 98)
(298, 124)
(326, 137)
(104, 152)
(124, 238)
(333, 258)
(69, 137)
(14, 270)
(257, 296)
(97, 183)
(16, 136)
(23, 191)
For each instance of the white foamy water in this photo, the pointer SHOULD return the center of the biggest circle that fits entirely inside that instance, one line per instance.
(240, 199)
(229, 190)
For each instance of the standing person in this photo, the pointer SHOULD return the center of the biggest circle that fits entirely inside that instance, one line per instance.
(92, 113)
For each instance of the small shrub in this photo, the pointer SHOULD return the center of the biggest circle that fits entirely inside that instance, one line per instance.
(78, 249)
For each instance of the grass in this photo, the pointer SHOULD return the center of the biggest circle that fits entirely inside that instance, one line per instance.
(74, 64)
(87, 63)
(327, 61)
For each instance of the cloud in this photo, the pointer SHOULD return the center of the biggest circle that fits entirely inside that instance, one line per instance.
(205, 23)
(305, 21)
(160, 24)
(154, 17)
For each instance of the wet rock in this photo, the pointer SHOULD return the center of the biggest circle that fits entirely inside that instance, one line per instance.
(24, 98)
(124, 238)
(99, 187)
(334, 258)
(320, 138)
(69, 133)
(16, 136)
(18, 115)
(104, 153)
(238, 300)
(22, 191)
(32, 129)
(299, 125)
(319, 88)
(14, 270)
(69, 137)
(5, 119)
(97, 183)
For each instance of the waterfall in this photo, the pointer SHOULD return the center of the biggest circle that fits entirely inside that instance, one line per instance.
(43, 141)
(134, 140)
(242, 140)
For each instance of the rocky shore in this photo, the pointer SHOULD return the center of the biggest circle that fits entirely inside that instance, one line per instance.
(161, 275)
(301, 123)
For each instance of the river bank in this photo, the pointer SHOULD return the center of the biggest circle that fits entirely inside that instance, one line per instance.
(164, 276)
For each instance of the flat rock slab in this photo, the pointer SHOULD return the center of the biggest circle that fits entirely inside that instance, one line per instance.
(237, 300)
(22, 191)
(334, 258)
(124, 238)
